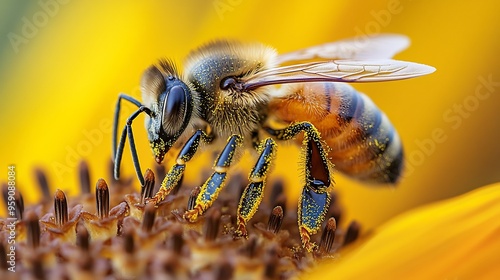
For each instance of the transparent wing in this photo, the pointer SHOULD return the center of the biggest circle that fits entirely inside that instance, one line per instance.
(338, 71)
(374, 47)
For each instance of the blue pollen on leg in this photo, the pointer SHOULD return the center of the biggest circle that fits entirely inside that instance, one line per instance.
(313, 208)
(213, 185)
(173, 177)
(251, 199)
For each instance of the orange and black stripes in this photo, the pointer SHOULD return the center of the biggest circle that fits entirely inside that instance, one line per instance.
(363, 142)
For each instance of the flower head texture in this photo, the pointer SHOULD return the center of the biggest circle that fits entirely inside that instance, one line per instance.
(453, 239)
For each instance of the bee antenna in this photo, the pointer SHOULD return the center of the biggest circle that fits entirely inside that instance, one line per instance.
(127, 131)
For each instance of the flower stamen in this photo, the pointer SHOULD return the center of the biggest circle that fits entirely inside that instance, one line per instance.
(328, 236)
(352, 233)
(84, 177)
(149, 185)
(102, 199)
(211, 227)
(43, 183)
(192, 198)
(60, 208)
(275, 220)
(33, 230)
(148, 219)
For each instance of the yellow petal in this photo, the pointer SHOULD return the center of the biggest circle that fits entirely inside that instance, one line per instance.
(454, 239)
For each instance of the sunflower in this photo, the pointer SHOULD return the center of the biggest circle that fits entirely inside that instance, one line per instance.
(114, 233)
(63, 63)
(452, 239)
(456, 238)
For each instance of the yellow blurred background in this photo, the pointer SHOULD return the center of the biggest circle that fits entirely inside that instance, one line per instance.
(63, 63)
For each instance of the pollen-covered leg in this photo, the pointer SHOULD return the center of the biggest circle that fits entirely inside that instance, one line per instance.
(313, 206)
(253, 193)
(175, 174)
(315, 198)
(212, 186)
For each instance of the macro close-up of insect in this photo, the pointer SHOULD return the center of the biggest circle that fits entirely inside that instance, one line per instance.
(232, 139)
(233, 96)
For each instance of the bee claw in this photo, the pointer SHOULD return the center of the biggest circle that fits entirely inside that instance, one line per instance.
(152, 200)
(192, 215)
(241, 229)
(305, 236)
(311, 246)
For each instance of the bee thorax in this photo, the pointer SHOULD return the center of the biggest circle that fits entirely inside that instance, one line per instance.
(235, 116)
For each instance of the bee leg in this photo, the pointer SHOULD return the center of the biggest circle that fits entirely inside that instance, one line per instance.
(313, 205)
(127, 130)
(212, 186)
(315, 198)
(253, 193)
(175, 174)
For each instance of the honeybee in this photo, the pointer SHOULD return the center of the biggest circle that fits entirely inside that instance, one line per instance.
(233, 96)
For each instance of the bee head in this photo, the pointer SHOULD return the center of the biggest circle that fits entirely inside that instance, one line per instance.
(171, 101)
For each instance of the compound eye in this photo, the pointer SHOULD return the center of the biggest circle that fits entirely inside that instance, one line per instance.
(174, 110)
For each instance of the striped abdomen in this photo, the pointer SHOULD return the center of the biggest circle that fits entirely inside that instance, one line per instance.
(363, 142)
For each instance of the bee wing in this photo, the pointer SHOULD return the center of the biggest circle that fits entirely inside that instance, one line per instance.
(338, 71)
(374, 47)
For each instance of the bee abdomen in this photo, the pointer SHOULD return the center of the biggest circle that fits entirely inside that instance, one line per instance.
(367, 147)
(363, 142)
